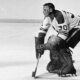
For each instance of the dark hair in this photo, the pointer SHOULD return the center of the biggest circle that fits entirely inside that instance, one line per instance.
(51, 5)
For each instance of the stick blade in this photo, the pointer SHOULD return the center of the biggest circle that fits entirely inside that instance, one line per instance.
(33, 74)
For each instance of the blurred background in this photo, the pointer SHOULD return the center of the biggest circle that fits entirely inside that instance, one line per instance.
(32, 9)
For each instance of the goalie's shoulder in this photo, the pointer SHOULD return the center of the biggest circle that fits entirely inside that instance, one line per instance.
(68, 14)
(46, 21)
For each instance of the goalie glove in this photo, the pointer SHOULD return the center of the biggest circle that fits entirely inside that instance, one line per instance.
(39, 41)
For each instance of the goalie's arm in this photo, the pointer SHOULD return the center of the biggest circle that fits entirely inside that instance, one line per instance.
(39, 38)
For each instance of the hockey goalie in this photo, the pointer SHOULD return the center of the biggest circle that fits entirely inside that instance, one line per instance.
(67, 27)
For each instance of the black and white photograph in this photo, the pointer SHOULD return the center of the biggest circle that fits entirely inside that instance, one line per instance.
(39, 39)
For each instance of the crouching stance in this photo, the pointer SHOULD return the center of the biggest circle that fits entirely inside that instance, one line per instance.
(64, 23)
(60, 56)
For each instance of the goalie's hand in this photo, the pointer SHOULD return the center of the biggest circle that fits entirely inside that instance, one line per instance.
(39, 51)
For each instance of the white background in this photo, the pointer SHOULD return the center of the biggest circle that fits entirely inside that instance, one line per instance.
(32, 9)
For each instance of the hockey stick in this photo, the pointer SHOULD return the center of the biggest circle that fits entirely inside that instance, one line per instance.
(34, 72)
(72, 35)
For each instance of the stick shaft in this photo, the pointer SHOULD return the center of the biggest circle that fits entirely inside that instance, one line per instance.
(37, 64)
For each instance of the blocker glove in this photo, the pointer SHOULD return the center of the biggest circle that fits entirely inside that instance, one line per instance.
(39, 42)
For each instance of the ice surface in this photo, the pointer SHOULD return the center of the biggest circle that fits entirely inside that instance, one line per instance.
(17, 53)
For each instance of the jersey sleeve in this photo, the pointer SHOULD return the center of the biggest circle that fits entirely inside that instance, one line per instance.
(73, 20)
(45, 26)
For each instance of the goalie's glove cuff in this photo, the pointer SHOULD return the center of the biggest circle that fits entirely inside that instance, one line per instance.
(40, 50)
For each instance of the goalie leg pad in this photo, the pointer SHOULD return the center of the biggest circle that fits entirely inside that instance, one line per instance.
(67, 61)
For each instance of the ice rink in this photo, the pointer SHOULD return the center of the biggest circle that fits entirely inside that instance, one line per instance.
(17, 53)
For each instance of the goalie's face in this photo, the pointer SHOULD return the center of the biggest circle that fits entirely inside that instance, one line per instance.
(46, 10)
